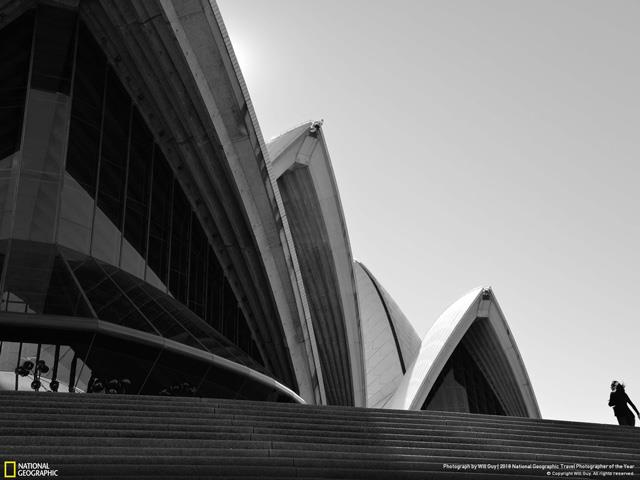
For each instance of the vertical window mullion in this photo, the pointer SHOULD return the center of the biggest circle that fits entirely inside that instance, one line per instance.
(99, 166)
(187, 255)
(205, 282)
(149, 204)
(125, 193)
(170, 234)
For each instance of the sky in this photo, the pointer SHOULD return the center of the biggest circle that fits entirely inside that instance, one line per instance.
(478, 143)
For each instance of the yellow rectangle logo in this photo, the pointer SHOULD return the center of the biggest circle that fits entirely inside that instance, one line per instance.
(9, 469)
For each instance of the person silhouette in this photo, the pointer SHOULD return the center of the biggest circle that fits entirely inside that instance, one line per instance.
(618, 399)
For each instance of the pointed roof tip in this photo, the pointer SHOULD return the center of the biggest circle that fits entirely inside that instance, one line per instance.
(279, 144)
(477, 290)
(307, 123)
(311, 124)
(316, 125)
(488, 289)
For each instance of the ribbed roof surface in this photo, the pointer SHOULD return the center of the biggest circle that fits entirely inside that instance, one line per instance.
(301, 163)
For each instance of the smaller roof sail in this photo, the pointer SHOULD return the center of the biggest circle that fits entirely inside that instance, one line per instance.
(389, 340)
(469, 362)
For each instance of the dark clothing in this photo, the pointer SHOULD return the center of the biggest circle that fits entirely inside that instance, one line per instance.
(630, 420)
(618, 400)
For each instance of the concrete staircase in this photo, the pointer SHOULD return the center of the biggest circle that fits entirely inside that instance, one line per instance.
(124, 436)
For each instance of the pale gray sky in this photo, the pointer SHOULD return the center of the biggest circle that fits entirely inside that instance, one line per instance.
(492, 142)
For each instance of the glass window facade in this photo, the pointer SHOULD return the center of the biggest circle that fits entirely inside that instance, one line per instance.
(38, 281)
(15, 53)
(85, 362)
(45, 279)
(54, 49)
(94, 222)
(39, 170)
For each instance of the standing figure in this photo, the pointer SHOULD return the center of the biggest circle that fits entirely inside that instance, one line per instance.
(618, 400)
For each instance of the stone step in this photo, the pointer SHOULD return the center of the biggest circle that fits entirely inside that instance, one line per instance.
(271, 433)
(222, 442)
(260, 424)
(113, 436)
(188, 414)
(439, 452)
(278, 408)
(97, 467)
(247, 423)
(132, 429)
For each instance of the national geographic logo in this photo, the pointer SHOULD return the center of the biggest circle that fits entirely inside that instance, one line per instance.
(9, 469)
(13, 469)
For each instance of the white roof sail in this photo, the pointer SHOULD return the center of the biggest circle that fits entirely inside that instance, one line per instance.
(446, 334)
(301, 164)
(389, 340)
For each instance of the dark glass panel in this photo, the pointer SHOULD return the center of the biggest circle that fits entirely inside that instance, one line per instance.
(138, 184)
(82, 155)
(114, 150)
(118, 365)
(4, 248)
(176, 322)
(84, 270)
(215, 289)
(39, 281)
(86, 112)
(198, 268)
(180, 234)
(244, 335)
(124, 299)
(175, 375)
(207, 337)
(64, 296)
(253, 390)
(222, 383)
(8, 187)
(89, 80)
(15, 53)
(54, 49)
(212, 340)
(254, 352)
(106, 238)
(245, 338)
(160, 222)
(144, 297)
(230, 315)
(109, 302)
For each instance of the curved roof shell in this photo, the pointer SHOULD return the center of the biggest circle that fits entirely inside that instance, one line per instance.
(300, 161)
(175, 59)
(495, 350)
(390, 342)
